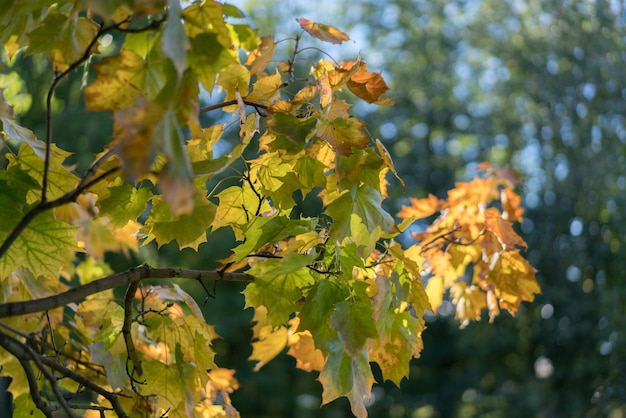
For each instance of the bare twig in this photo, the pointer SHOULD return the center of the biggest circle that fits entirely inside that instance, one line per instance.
(124, 278)
(216, 106)
(126, 328)
(96, 368)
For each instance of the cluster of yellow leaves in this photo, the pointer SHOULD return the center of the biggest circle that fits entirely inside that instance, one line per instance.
(471, 231)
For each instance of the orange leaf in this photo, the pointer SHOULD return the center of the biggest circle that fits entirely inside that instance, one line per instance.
(368, 86)
(502, 229)
(323, 32)
(420, 208)
(261, 57)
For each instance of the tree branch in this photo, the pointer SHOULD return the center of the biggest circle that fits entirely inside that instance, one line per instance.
(124, 278)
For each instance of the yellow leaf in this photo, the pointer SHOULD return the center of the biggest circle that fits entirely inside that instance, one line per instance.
(134, 130)
(120, 79)
(260, 57)
(420, 208)
(323, 32)
(302, 348)
(265, 89)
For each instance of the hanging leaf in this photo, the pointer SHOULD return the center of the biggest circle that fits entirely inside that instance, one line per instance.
(323, 32)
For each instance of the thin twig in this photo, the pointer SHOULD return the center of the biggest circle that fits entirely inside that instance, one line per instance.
(127, 327)
(96, 368)
(124, 278)
(216, 106)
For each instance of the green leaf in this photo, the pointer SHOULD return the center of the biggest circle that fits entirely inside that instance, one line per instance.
(43, 247)
(297, 130)
(359, 217)
(354, 323)
(208, 57)
(60, 179)
(318, 308)
(124, 203)
(167, 383)
(186, 230)
(65, 38)
(175, 43)
(344, 375)
(237, 206)
(263, 231)
(279, 285)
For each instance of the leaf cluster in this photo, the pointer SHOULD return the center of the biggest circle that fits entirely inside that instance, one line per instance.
(335, 289)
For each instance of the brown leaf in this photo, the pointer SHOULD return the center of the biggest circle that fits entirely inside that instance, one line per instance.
(323, 32)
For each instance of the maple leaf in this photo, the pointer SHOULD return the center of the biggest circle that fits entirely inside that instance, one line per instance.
(279, 284)
(232, 209)
(368, 86)
(121, 78)
(359, 217)
(323, 32)
(187, 230)
(503, 229)
(420, 208)
(344, 375)
(261, 57)
(343, 134)
(60, 179)
(316, 312)
(265, 89)
(302, 348)
(44, 247)
(135, 128)
(262, 231)
(64, 38)
(354, 323)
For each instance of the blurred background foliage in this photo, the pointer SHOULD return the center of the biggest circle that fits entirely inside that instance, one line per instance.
(536, 84)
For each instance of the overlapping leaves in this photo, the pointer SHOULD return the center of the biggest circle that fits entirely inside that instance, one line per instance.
(333, 287)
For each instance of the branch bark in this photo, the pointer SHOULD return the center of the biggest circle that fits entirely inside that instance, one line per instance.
(124, 278)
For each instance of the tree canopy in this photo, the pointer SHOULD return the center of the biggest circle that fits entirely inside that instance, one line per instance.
(286, 170)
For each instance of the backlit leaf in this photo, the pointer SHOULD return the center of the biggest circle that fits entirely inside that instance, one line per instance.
(344, 134)
(323, 32)
(279, 284)
(44, 247)
(120, 79)
(64, 38)
(261, 57)
(175, 43)
(354, 323)
(344, 375)
(368, 86)
(187, 230)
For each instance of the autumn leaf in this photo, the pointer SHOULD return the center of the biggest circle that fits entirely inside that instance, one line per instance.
(323, 32)
(368, 86)
(120, 79)
(344, 134)
(261, 57)
(175, 43)
(187, 230)
(44, 247)
(279, 285)
(354, 323)
(135, 132)
(344, 375)
(420, 208)
(63, 38)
